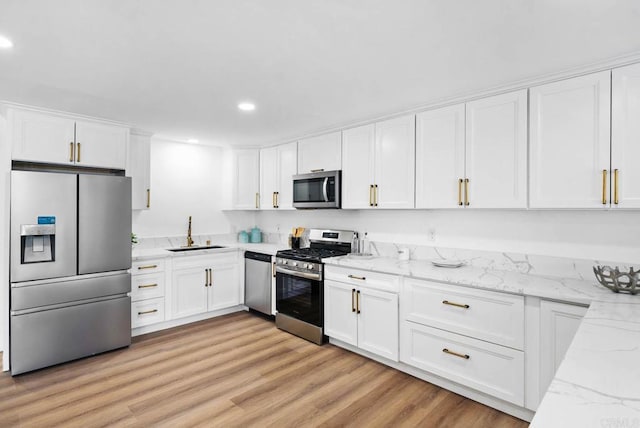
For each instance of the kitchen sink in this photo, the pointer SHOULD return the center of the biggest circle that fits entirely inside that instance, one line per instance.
(194, 248)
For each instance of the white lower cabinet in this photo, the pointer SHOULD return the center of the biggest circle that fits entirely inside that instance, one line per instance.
(147, 292)
(362, 316)
(489, 368)
(204, 283)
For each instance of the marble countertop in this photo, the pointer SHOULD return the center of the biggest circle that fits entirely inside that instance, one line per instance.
(154, 253)
(598, 382)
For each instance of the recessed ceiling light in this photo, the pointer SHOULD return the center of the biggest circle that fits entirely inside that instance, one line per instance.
(247, 106)
(192, 140)
(5, 43)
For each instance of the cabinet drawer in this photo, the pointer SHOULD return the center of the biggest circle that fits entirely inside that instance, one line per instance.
(142, 267)
(361, 278)
(487, 315)
(204, 260)
(146, 312)
(492, 369)
(147, 286)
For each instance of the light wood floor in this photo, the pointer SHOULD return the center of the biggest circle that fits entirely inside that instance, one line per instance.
(236, 370)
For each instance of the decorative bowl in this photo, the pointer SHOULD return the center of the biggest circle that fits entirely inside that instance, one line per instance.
(613, 279)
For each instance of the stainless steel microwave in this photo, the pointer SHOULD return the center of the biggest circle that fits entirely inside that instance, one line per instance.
(317, 190)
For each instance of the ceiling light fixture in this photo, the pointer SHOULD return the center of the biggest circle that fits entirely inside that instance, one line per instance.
(247, 106)
(5, 43)
(192, 140)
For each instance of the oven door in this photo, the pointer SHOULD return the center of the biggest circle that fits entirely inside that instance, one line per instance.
(299, 297)
(317, 190)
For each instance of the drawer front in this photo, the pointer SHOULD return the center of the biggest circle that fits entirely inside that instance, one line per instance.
(146, 312)
(147, 286)
(187, 261)
(492, 369)
(142, 267)
(486, 315)
(361, 278)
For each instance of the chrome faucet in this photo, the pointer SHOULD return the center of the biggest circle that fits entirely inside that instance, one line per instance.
(189, 239)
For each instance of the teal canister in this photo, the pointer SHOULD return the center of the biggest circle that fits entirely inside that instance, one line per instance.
(256, 236)
(243, 237)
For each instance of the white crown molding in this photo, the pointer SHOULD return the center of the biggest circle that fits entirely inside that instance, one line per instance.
(65, 114)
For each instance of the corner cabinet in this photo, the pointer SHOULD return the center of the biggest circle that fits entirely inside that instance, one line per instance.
(139, 169)
(277, 167)
(246, 180)
(378, 165)
(60, 139)
(204, 283)
(361, 309)
(322, 153)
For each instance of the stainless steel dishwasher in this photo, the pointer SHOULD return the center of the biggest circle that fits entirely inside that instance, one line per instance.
(257, 282)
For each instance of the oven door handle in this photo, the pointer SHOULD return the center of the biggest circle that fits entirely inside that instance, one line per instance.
(314, 276)
(324, 189)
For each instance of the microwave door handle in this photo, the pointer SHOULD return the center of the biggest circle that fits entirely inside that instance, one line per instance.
(324, 189)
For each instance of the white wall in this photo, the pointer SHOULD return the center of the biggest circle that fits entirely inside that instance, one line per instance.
(612, 235)
(186, 180)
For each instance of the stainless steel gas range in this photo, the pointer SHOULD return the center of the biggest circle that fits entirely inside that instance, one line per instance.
(300, 283)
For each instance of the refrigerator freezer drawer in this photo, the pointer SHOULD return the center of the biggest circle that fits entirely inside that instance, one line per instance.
(45, 338)
(24, 296)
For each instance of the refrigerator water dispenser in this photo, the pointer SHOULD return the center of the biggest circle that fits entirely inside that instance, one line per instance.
(38, 243)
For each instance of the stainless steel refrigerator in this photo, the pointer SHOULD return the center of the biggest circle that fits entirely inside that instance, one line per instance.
(70, 252)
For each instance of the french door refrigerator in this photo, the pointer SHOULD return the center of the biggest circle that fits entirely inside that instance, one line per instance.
(70, 252)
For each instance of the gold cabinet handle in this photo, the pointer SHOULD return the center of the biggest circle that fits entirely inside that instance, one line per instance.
(71, 151)
(466, 191)
(273, 199)
(78, 158)
(358, 301)
(206, 277)
(257, 200)
(210, 277)
(375, 195)
(147, 267)
(370, 195)
(457, 354)
(317, 170)
(277, 199)
(459, 305)
(604, 187)
(148, 286)
(148, 198)
(361, 278)
(615, 187)
(152, 311)
(460, 191)
(353, 296)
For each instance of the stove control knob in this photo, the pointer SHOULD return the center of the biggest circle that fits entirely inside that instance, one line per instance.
(284, 262)
(309, 266)
(295, 263)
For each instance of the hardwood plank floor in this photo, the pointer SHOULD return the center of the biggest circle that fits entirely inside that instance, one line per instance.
(236, 370)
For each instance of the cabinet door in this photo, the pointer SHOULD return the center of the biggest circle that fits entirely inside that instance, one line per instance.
(38, 137)
(189, 291)
(287, 168)
(323, 153)
(395, 162)
(100, 145)
(139, 169)
(559, 322)
(569, 143)
(340, 318)
(246, 179)
(268, 177)
(496, 151)
(378, 323)
(357, 167)
(625, 134)
(224, 291)
(440, 157)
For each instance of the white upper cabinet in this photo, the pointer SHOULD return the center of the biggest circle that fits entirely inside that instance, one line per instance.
(474, 154)
(439, 157)
(277, 167)
(625, 137)
(569, 153)
(496, 151)
(323, 153)
(49, 138)
(378, 165)
(246, 179)
(139, 169)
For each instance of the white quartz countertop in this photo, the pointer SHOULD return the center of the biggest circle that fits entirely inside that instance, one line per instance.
(154, 253)
(598, 382)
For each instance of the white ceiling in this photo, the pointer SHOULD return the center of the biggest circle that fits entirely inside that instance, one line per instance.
(179, 67)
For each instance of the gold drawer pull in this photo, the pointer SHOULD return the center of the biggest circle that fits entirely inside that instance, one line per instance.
(147, 267)
(459, 305)
(465, 356)
(317, 170)
(148, 312)
(361, 278)
(148, 286)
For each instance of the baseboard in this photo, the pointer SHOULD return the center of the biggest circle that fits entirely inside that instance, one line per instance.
(188, 320)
